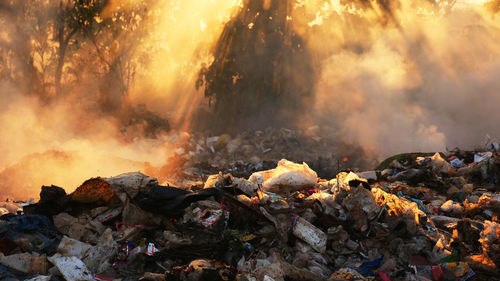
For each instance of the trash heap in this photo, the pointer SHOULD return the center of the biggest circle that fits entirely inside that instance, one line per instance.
(416, 217)
(249, 151)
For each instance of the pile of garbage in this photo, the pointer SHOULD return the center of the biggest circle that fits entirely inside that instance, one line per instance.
(416, 217)
(255, 150)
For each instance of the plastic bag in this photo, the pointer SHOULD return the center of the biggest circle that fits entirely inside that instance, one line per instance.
(287, 176)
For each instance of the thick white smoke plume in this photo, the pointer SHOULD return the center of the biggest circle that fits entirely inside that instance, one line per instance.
(411, 77)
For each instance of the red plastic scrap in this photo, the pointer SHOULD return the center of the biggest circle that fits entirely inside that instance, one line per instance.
(102, 278)
(310, 191)
(210, 217)
(437, 273)
(383, 276)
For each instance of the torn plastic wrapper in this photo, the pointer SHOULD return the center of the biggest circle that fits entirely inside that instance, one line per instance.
(479, 157)
(151, 250)
(124, 250)
(468, 275)
(209, 218)
(109, 215)
(457, 163)
(366, 268)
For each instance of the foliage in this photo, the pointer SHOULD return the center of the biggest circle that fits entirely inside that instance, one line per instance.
(52, 48)
(261, 68)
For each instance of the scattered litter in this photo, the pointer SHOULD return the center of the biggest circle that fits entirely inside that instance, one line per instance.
(276, 224)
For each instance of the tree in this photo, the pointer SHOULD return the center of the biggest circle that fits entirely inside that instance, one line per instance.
(52, 46)
(261, 68)
(17, 57)
(73, 16)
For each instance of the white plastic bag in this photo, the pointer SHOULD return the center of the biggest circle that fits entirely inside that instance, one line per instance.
(287, 176)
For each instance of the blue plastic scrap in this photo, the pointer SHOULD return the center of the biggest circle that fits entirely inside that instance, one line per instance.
(419, 202)
(366, 268)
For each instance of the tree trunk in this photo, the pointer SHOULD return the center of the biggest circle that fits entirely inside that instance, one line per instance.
(63, 45)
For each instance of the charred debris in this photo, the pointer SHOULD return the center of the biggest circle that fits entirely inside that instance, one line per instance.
(415, 217)
(228, 214)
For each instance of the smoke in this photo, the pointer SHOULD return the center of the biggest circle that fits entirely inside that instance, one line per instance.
(406, 77)
(63, 145)
(183, 39)
(119, 83)
(393, 78)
